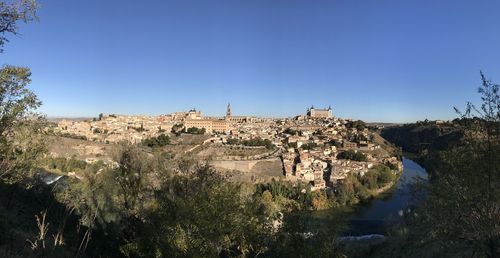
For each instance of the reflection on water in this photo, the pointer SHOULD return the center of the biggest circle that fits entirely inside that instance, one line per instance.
(372, 217)
(391, 203)
(47, 177)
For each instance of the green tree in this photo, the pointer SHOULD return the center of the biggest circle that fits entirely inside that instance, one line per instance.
(370, 180)
(309, 146)
(159, 141)
(384, 175)
(300, 238)
(196, 130)
(358, 124)
(163, 140)
(320, 201)
(352, 155)
(131, 176)
(21, 129)
(94, 199)
(270, 208)
(461, 213)
(21, 143)
(11, 14)
(177, 129)
(111, 201)
(200, 214)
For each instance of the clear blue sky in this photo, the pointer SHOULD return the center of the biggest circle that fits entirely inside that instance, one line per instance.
(386, 60)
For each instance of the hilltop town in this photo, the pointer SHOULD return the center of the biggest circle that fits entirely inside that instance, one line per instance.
(315, 147)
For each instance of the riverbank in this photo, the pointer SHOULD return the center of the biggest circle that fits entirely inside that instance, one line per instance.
(388, 186)
(376, 215)
(387, 208)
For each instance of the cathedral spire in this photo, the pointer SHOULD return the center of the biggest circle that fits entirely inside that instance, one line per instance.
(228, 112)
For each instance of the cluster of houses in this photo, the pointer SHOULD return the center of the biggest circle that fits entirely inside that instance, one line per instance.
(134, 129)
(115, 129)
(313, 146)
(309, 144)
(310, 147)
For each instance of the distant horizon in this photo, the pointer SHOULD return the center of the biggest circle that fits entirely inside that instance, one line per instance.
(387, 61)
(221, 115)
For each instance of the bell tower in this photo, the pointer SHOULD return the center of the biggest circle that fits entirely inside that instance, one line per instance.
(228, 111)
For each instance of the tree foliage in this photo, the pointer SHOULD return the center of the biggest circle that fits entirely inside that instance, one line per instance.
(377, 177)
(131, 176)
(177, 129)
(64, 164)
(21, 140)
(309, 146)
(196, 130)
(352, 155)
(292, 131)
(460, 215)
(21, 129)
(13, 12)
(201, 215)
(252, 142)
(358, 124)
(159, 141)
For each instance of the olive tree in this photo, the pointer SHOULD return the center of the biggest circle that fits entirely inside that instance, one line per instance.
(11, 12)
(21, 139)
(21, 129)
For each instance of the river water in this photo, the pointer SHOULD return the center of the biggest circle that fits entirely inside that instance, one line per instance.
(373, 217)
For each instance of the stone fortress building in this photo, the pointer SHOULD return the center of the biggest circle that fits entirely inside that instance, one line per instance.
(319, 113)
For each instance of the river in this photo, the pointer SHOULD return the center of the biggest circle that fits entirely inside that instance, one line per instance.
(375, 216)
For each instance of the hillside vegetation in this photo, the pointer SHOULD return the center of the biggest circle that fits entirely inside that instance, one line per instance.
(459, 214)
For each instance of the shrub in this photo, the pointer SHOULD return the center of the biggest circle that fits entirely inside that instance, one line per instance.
(160, 141)
(352, 155)
(196, 130)
(309, 146)
(252, 142)
(65, 165)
